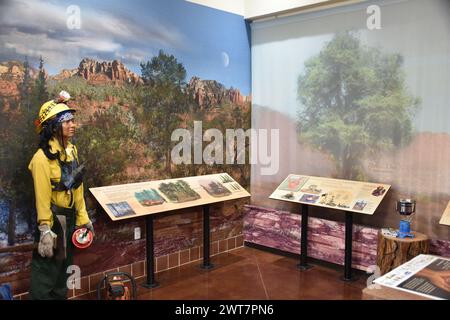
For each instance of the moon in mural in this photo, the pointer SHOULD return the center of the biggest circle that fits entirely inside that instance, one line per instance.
(225, 59)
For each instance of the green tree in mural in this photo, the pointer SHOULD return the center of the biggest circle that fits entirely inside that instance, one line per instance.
(26, 87)
(163, 69)
(19, 146)
(354, 102)
(163, 103)
(40, 93)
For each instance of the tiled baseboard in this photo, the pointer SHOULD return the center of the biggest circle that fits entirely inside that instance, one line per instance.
(162, 263)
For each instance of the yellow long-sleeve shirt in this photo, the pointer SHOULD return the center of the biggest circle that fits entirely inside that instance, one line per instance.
(45, 170)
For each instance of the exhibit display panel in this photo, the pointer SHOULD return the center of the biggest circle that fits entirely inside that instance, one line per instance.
(446, 216)
(139, 199)
(133, 200)
(425, 275)
(353, 196)
(344, 195)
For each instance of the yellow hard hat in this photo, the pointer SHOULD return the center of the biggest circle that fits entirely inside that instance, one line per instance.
(49, 110)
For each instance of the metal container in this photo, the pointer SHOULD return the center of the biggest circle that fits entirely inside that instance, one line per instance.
(82, 238)
(406, 207)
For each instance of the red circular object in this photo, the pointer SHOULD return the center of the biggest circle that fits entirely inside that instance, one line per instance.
(81, 239)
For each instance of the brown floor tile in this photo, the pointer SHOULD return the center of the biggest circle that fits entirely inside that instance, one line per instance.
(231, 243)
(94, 281)
(84, 286)
(213, 248)
(223, 245)
(194, 254)
(111, 270)
(174, 259)
(70, 293)
(87, 296)
(126, 269)
(248, 273)
(162, 263)
(239, 241)
(138, 269)
(184, 256)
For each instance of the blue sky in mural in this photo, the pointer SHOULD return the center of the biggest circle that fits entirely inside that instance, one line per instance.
(211, 44)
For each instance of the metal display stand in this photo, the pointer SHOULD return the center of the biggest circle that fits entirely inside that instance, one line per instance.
(303, 265)
(348, 248)
(151, 282)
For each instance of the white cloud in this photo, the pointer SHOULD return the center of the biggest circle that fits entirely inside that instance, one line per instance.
(55, 54)
(133, 55)
(94, 44)
(37, 27)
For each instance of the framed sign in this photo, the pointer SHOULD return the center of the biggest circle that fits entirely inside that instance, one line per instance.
(347, 195)
(144, 198)
(445, 220)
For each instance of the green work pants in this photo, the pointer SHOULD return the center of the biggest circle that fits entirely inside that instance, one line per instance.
(49, 275)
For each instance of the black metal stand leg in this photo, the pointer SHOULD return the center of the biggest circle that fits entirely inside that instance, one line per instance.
(304, 240)
(206, 231)
(150, 283)
(348, 248)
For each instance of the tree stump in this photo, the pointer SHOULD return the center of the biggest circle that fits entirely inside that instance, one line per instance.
(393, 252)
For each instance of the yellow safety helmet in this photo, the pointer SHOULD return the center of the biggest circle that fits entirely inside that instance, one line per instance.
(52, 108)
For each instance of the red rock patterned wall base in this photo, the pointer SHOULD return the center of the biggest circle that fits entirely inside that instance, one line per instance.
(326, 239)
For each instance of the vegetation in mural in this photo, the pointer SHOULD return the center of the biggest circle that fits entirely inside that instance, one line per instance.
(125, 122)
(354, 102)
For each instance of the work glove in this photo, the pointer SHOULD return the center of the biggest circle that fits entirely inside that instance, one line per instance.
(47, 241)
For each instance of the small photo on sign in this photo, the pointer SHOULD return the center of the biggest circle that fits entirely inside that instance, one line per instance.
(148, 198)
(214, 188)
(379, 191)
(312, 188)
(288, 196)
(309, 198)
(120, 209)
(360, 205)
(293, 183)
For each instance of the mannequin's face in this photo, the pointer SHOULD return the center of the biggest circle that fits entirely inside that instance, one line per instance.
(68, 129)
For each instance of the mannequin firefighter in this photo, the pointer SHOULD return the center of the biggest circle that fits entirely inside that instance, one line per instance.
(60, 203)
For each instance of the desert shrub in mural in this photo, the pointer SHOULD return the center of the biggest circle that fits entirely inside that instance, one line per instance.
(354, 103)
(107, 142)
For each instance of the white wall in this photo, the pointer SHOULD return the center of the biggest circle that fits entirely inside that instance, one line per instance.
(256, 8)
(252, 9)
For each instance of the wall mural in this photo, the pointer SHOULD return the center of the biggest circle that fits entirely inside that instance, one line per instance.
(136, 73)
(359, 104)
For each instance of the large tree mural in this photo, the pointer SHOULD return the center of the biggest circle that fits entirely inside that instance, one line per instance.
(354, 103)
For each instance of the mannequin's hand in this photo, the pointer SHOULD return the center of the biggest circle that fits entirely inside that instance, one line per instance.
(46, 241)
(90, 226)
